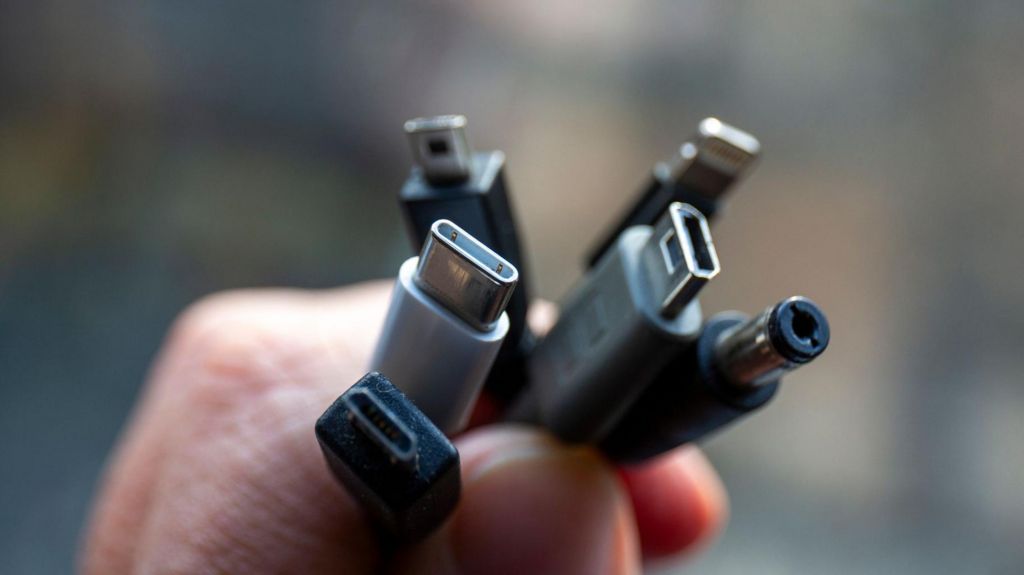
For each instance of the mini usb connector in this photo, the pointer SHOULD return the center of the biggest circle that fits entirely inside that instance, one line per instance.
(622, 322)
(680, 257)
(452, 181)
(440, 148)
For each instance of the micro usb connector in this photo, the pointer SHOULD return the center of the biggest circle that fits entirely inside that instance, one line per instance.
(381, 426)
(450, 180)
(388, 455)
(621, 324)
(446, 323)
(701, 173)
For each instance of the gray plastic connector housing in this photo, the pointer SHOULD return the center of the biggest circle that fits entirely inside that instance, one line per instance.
(438, 360)
(609, 343)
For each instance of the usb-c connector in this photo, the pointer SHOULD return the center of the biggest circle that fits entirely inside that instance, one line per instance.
(449, 180)
(446, 323)
(465, 276)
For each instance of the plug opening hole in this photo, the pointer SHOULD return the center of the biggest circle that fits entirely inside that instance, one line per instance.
(437, 146)
(805, 326)
(701, 252)
(671, 251)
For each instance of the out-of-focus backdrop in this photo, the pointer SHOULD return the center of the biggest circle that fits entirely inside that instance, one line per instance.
(153, 152)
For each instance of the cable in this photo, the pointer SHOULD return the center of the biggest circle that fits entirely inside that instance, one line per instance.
(701, 173)
(448, 180)
(734, 368)
(620, 325)
(445, 323)
(391, 458)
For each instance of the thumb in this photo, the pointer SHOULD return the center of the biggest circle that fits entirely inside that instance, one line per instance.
(530, 505)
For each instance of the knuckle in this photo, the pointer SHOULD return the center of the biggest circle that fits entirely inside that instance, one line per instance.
(208, 314)
(220, 350)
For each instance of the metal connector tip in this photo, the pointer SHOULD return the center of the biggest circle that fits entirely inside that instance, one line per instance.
(464, 275)
(381, 426)
(780, 339)
(718, 156)
(680, 257)
(440, 148)
(798, 329)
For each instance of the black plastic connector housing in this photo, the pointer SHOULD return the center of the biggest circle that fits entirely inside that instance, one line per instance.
(702, 172)
(687, 402)
(658, 192)
(480, 205)
(732, 369)
(391, 458)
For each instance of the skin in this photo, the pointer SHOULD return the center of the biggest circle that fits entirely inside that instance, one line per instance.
(218, 470)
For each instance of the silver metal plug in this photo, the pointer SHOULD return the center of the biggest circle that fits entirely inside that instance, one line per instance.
(464, 275)
(778, 340)
(717, 156)
(680, 257)
(440, 148)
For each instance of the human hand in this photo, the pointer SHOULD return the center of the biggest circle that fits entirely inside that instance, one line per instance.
(219, 470)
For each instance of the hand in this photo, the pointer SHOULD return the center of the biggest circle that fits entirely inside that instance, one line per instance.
(219, 470)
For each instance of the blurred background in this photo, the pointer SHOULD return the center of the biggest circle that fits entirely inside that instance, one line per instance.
(153, 152)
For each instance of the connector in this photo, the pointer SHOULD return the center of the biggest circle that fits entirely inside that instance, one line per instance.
(451, 181)
(391, 458)
(446, 323)
(382, 426)
(780, 339)
(718, 156)
(733, 369)
(440, 148)
(465, 276)
(620, 325)
(704, 169)
(680, 257)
